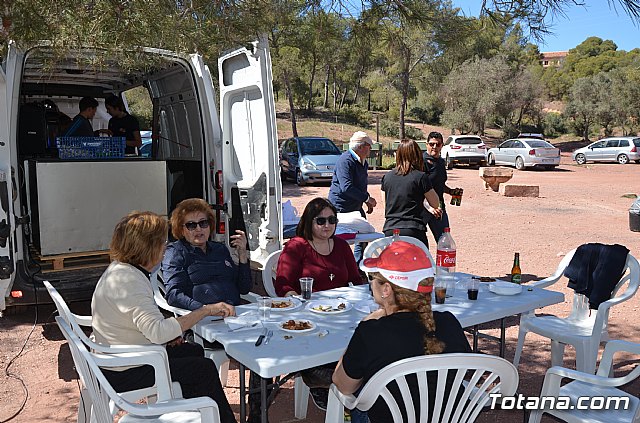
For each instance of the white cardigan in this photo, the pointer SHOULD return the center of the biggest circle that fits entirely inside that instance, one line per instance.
(124, 311)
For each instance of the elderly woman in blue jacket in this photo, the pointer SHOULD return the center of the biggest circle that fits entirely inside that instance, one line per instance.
(198, 271)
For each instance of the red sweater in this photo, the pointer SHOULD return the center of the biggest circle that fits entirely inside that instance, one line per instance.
(298, 259)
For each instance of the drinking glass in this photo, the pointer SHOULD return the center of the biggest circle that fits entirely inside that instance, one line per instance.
(306, 286)
(264, 308)
(473, 285)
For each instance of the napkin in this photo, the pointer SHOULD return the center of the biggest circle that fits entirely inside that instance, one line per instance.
(243, 321)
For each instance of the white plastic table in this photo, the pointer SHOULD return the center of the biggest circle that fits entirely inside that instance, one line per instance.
(305, 350)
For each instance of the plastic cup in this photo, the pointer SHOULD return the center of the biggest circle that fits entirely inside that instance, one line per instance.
(473, 286)
(440, 290)
(306, 287)
(264, 308)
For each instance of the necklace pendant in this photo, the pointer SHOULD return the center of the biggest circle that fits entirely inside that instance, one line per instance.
(331, 276)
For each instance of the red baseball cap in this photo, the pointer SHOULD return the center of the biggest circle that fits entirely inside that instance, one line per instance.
(402, 263)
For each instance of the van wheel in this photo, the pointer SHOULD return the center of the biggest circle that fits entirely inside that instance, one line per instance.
(299, 179)
(448, 162)
(581, 159)
(491, 161)
(623, 159)
(519, 163)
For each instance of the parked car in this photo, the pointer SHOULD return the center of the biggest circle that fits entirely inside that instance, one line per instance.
(524, 152)
(614, 149)
(308, 159)
(145, 149)
(468, 149)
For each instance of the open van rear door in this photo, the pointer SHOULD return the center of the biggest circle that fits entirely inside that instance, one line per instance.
(8, 120)
(251, 180)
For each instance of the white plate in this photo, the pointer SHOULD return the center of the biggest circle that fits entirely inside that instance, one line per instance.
(293, 303)
(505, 288)
(313, 326)
(367, 306)
(329, 306)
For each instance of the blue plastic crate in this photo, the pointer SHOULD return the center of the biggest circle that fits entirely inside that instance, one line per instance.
(97, 148)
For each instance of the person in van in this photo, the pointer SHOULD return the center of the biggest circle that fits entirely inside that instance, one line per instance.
(81, 125)
(122, 124)
(198, 271)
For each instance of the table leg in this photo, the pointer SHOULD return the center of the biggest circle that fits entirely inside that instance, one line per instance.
(243, 394)
(475, 338)
(263, 399)
(503, 329)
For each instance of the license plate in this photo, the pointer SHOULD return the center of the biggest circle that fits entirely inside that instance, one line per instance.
(547, 160)
(326, 174)
(468, 149)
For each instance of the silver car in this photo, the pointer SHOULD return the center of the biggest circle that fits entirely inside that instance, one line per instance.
(614, 149)
(524, 152)
(308, 159)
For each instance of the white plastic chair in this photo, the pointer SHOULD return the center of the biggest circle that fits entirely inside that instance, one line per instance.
(219, 356)
(475, 377)
(269, 273)
(584, 329)
(102, 394)
(376, 247)
(300, 390)
(590, 386)
(75, 321)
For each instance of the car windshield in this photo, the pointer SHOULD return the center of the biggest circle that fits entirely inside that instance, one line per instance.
(468, 140)
(318, 146)
(539, 144)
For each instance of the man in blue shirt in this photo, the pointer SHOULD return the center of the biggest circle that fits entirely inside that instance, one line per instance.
(348, 190)
(81, 125)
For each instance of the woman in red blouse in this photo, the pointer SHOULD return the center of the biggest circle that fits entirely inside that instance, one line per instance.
(315, 252)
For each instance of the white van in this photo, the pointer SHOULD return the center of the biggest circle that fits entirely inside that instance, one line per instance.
(57, 213)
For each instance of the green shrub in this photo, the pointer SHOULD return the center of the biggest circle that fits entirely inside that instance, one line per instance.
(554, 125)
(355, 115)
(391, 129)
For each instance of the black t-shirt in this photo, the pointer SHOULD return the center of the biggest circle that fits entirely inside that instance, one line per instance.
(80, 127)
(437, 171)
(378, 343)
(125, 127)
(404, 197)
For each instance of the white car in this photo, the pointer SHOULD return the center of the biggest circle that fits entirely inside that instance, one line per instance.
(468, 149)
(614, 149)
(524, 152)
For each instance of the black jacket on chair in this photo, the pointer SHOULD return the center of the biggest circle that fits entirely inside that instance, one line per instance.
(595, 270)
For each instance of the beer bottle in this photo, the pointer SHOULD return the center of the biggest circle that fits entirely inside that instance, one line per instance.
(516, 273)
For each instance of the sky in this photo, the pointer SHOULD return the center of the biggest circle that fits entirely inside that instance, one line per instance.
(594, 19)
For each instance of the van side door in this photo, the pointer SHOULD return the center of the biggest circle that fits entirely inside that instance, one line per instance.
(9, 248)
(251, 180)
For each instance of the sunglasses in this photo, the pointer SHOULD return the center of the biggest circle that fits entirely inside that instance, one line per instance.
(320, 221)
(435, 144)
(204, 224)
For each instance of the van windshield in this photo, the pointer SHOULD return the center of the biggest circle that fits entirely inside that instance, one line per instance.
(318, 146)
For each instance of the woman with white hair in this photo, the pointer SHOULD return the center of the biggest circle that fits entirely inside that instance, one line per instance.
(405, 321)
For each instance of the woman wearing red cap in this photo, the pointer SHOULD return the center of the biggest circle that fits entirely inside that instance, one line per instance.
(402, 280)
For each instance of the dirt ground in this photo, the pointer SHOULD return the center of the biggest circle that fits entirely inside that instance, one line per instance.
(577, 204)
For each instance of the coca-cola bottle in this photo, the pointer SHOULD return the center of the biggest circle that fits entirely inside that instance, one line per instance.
(446, 261)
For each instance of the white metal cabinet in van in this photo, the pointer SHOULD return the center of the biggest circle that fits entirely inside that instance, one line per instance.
(54, 210)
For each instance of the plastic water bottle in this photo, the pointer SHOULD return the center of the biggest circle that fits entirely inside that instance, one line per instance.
(446, 261)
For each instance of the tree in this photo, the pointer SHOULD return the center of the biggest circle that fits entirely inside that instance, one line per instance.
(582, 106)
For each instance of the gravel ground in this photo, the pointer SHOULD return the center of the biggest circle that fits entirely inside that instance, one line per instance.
(577, 204)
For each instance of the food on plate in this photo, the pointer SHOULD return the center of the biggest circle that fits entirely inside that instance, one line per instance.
(328, 308)
(281, 304)
(484, 278)
(297, 325)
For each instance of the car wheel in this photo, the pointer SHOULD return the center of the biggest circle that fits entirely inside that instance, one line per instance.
(519, 163)
(491, 161)
(623, 159)
(283, 175)
(581, 159)
(299, 179)
(448, 162)
(638, 161)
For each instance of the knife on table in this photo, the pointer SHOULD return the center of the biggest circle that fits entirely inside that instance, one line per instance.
(261, 337)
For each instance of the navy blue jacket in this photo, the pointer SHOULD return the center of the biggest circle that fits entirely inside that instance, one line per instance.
(194, 278)
(349, 184)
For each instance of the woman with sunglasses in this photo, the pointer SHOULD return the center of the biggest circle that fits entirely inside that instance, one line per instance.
(406, 187)
(198, 271)
(315, 252)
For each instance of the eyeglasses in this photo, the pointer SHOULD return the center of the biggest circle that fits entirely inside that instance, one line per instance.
(435, 144)
(321, 221)
(204, 224)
